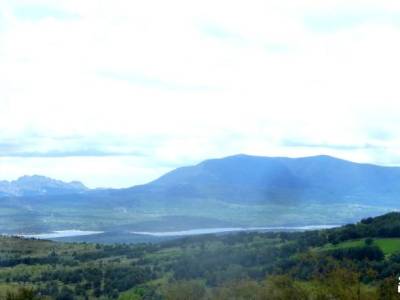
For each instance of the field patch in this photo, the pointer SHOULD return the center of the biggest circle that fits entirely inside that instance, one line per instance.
(387, 245)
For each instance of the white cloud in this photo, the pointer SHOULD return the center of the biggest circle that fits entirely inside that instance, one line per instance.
(183, 81)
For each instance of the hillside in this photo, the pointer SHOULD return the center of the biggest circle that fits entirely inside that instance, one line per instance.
(275, 265)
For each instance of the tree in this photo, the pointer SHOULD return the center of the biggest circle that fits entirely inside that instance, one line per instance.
(369, 241)
(388, 289)
(65, 294)
(244, 289)
(282, 287)
(185, 290)
(341, 283)
(22, 294)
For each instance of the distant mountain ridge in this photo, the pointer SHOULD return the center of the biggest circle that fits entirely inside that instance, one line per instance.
(39, 186)
(245, 178)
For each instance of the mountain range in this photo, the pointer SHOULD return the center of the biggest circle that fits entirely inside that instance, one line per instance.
(240, 190)
(281, 180)
(39, 185)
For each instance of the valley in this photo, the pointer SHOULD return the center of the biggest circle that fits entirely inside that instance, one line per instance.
(199, 150)
(234, 192)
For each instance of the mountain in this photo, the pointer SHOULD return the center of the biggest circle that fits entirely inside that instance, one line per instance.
(39, 186)
(279, 180)
(240, 190)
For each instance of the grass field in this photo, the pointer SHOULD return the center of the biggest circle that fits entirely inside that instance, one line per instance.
(387, 245)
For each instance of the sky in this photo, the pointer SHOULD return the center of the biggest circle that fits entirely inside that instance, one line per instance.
(116, 93)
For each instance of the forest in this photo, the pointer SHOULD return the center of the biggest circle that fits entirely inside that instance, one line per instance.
(355, 261)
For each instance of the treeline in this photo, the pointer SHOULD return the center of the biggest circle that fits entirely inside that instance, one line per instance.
(383, 226)
(340, 284)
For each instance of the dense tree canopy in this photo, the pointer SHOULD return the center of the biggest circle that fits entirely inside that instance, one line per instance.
(247, 265)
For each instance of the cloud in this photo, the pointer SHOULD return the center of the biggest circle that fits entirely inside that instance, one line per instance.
(349, 147)
(148, 82)
(216, 31)
(143, 86)
(77, 153)
(346, 19)
(381, 134)
(37, 12)
(72, 146)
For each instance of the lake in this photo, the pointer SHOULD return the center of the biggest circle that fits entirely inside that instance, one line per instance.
(60, 234)
(231, 229)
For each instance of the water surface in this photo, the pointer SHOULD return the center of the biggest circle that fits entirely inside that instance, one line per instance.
(60, 234)
(232, 229)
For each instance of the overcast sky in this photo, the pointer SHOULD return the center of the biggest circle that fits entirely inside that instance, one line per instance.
(116, 93)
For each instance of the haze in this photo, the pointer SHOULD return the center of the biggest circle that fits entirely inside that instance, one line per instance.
(116, 93)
